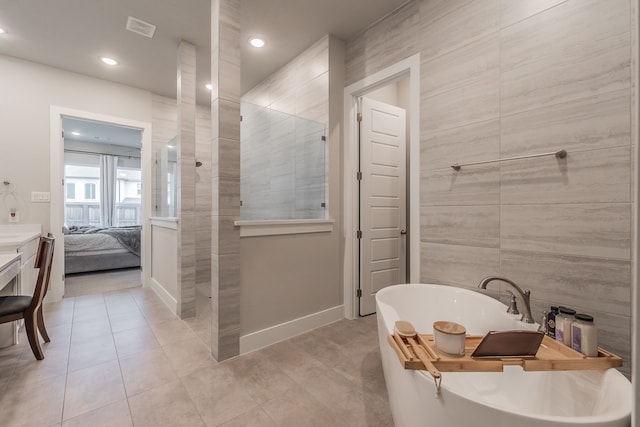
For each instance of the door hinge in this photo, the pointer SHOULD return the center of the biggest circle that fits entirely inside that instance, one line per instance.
(62, 133)
(323, 138)
(241, 117)
(359, 176)
(359, 117)
(63, 182)
(359, 293)
(359, 234)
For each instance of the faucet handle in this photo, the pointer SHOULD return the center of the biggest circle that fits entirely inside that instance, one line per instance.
(513, 306)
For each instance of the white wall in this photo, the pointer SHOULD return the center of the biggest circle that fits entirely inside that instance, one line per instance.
(28, 91)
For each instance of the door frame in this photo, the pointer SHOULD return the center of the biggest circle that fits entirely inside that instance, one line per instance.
(407, 67)
(57, 113)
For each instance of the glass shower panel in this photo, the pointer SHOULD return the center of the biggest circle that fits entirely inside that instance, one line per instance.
(310, 169)
(282, 165)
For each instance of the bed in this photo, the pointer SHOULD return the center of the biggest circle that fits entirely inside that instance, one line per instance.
(88, 248)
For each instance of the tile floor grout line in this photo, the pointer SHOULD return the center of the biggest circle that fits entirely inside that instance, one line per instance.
(66, 377)
(124, 387)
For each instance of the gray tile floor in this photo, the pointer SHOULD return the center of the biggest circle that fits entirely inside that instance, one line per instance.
(122, 359)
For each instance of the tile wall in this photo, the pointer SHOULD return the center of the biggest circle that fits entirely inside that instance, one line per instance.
(186, 188)
(510, 78)
(164, 124)
(291, 106)
(225, 174)
(282, 164)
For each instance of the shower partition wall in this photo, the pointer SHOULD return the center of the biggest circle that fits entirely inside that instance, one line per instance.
(282, 165)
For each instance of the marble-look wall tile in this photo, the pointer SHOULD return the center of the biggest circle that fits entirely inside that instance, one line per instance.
(186, 102)
(594, 176)
(389, 41)
(596, 284)
(461, 106)
(462, 67)
(312, 62)
(512, 11)
(457, 264)
(475, 185)
(226, 198)
(356, 59)
(597, 230)
(312, 100)
(281, 149)
(574, 50)
(461, 225)
(599, 121)
(226, 234)
(228, 54)
(472, 143)
(228, 157)
(459, 27)
(228, 119)
(225, 62)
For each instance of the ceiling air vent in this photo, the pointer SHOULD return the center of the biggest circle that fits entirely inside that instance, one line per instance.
(140, 27)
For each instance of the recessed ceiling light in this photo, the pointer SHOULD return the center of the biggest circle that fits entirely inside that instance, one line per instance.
(256, 42)
(209, 86)
(75, 133)
(108, 61)
(3, 31)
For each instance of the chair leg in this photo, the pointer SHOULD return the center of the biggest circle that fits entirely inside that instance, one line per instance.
(32, 334)
(41, 328)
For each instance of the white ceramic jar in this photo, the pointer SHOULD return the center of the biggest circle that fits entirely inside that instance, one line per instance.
(449, 337)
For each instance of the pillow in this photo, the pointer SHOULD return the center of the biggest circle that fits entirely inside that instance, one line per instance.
(65, 229)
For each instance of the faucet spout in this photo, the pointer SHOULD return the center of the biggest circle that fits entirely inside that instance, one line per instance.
(525, 295)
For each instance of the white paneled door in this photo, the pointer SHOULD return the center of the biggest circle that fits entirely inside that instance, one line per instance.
(383, 238)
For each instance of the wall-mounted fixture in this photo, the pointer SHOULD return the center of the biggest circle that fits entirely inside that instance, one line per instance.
(560, 154)
(198, 163)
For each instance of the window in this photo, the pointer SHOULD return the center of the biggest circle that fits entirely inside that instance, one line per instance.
(71, 191)
(128, 197)
(90, 191)
(82, 207)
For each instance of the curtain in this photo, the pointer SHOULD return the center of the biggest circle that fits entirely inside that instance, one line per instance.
(108, 176)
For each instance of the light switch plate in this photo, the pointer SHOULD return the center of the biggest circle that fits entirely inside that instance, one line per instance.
(40, 196)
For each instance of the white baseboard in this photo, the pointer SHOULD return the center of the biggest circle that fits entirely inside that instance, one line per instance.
(165, 296)
(283, 331)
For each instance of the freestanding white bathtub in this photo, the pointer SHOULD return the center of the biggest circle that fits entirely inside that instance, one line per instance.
(488, 399)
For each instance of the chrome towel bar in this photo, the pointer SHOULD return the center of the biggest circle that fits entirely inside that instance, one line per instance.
(561, 154)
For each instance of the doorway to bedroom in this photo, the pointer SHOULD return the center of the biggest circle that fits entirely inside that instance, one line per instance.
(102, 206)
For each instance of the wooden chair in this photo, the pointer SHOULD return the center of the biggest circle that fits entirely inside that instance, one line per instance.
(29, 308)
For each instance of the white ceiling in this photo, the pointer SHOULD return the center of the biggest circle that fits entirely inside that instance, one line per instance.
(72, 34)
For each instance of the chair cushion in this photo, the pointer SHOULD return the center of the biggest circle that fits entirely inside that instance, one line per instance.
(14, 304)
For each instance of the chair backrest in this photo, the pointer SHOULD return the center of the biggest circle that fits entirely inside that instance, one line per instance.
(39, 261)
(44, 259)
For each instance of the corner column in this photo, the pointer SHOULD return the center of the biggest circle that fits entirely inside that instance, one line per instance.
(225, 153)
(186, 194)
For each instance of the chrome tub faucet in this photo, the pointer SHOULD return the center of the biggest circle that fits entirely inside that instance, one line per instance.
(525, 295)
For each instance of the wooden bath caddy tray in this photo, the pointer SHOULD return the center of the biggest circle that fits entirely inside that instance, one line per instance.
(551, 356)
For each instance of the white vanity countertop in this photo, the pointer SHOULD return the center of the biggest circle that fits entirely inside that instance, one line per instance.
(7, 258)
(16, 235)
